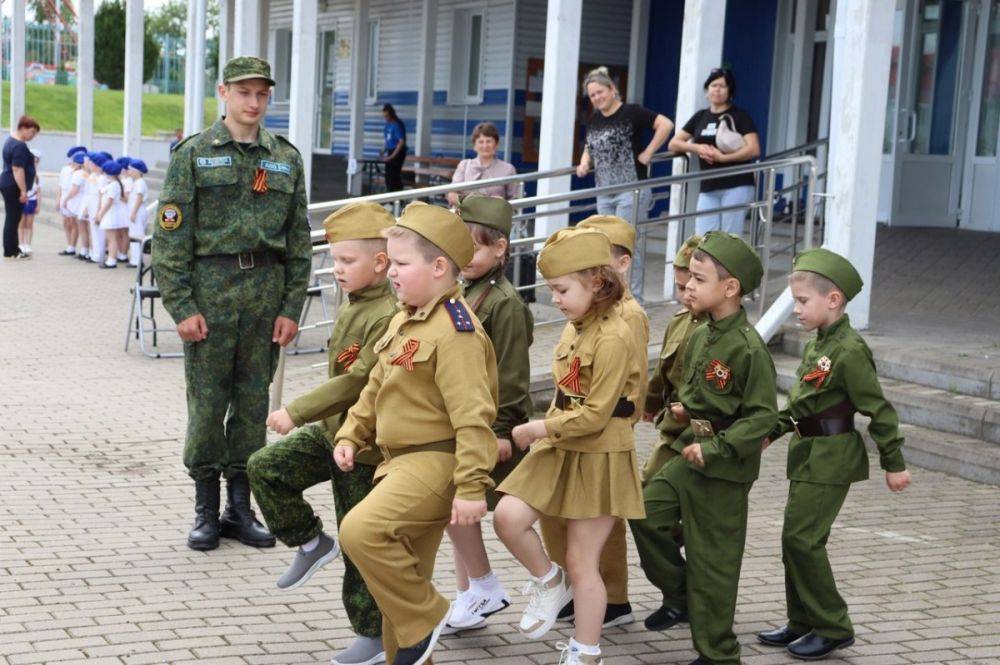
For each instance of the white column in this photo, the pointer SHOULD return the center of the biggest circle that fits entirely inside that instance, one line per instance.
(302, 94)
(359, 79)
(134, 34)
(425, 85)
(701, 51)
(559, 86)
(194, 68)
(226, 22)
(246, 40)
(637, 49)
(862, 37)
(17, 62)
(85, 74)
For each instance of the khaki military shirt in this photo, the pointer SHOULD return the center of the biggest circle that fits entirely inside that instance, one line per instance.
(837, 366)
(510, 327)
(432, 382)
(669, 371)
(635, 317)
(729, 373)
(208, 207)
(594, 369)
(360, 324)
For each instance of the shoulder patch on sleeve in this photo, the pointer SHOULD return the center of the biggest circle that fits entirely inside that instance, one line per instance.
(170, 217)
(460, 316)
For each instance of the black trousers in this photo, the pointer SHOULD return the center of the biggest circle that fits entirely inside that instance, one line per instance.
(12, 217)
(394, 172)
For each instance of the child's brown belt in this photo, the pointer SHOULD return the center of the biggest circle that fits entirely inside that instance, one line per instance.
(838, 419)
(623, 409)
(447, 446)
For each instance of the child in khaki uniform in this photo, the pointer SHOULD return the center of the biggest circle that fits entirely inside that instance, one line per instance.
(837, 378)
(614, 556)
(584, 451)
(429, 404)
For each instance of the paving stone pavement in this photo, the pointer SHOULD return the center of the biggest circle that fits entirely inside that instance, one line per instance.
(95, 505)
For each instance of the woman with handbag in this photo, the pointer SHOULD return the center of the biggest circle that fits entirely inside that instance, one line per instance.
(722, 135)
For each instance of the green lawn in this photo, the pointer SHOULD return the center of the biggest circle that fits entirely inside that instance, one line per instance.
(54, 106)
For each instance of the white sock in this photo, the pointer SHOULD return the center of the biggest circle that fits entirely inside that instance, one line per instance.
(70, 248)
(311, 545)
(110, 262)
(487, 584)
(589, 649)
(553, 571)
(122, 257)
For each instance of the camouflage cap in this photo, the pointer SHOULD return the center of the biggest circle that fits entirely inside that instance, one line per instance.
(618, 231)
(361, 220)
(683, 257)
(833, 266)
(735, 256)
(443, 228)
(247, 67)
(490, 211)
(572, 250)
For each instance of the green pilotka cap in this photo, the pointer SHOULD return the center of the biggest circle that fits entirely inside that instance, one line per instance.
(489, 211)
(735, 256)
(683, 257)
(833, 266)
(247, 67)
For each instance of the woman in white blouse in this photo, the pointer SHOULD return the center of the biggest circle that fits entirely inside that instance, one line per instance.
(484, 166)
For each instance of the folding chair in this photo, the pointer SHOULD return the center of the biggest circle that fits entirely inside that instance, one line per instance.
(145, 289)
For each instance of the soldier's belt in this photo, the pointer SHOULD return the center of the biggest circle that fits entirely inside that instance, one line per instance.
(838, 419)
(705, 427)
(260, 258)
(447, 446)
(623, 409)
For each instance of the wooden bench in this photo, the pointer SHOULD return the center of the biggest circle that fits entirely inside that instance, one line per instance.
(423, 172)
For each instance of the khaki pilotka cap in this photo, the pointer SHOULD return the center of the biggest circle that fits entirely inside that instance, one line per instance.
(489, 211)
(735, 256)
(571, 250)
(247, 67)
(443, 228)
(362, 220)
(618, 231)
(833, 266)
(683, 258)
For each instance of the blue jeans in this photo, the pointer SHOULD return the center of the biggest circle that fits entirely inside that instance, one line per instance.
(621, 206)
(730, 222)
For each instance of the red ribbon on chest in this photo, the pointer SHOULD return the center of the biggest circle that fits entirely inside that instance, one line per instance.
(718, 373)
(349, 355)
(819, 374)
(405, 359)
(571, 381)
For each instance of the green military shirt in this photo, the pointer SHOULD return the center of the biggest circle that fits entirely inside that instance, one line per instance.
(360, 324)
(208, 207)
(509, 325)
(669, 374)
(837, 366)
(729, 374)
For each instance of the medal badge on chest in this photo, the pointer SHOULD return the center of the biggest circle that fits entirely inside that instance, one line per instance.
(818, 375)
(718, 373)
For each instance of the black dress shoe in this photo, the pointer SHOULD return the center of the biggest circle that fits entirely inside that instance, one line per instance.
(778, 637)
(238, 520)
(817, 647)
(665, 617)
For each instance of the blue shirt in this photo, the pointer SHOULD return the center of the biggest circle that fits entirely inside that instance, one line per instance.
(394, 133)
(16, 153)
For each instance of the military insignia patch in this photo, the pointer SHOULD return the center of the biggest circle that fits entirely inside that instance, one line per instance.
(718, 373)
(349, 355)
(405, 359)
(571, 380)
(819, 374)
(170, 217)
(460, 316)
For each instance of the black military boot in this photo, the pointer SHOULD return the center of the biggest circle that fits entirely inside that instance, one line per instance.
(238, 521)
(204, 534)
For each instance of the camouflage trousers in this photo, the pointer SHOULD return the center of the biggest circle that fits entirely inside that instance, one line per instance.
(280, 473)
(229, 372)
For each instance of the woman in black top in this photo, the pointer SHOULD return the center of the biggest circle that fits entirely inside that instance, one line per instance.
(17, 177)
(698, 137)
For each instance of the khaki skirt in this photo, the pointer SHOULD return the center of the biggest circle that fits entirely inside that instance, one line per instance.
(577, 486)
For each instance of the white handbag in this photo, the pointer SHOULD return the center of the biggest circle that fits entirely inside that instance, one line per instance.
(727, 139)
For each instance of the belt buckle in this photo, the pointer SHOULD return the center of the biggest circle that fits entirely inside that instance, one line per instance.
(248, 263)
(702, 427)
(795, 426)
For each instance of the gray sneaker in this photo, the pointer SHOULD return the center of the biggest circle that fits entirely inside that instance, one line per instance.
(363, 651)
(307, 563)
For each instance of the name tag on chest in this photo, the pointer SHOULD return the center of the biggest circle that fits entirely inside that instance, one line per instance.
(213, 162)
(276, 167)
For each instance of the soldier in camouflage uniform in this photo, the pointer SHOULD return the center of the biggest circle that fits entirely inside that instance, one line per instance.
(279, 474)
(232, 256)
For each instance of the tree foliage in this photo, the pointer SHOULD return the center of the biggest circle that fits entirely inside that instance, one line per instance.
(109, 46)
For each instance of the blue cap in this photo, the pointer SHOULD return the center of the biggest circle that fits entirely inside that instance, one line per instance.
(75, 149)
(96, 158)
(139, 165)
(111, 167)
(106, 155)
(78, 157)
(124, 161)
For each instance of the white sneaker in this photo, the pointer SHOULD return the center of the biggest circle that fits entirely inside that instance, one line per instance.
(546, 599)
(570, 656)
(472, 607)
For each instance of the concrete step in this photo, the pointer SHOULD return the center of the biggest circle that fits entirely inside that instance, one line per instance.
(924, 406)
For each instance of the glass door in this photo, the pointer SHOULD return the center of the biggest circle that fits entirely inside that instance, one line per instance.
(981, 192)
(327, 74)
